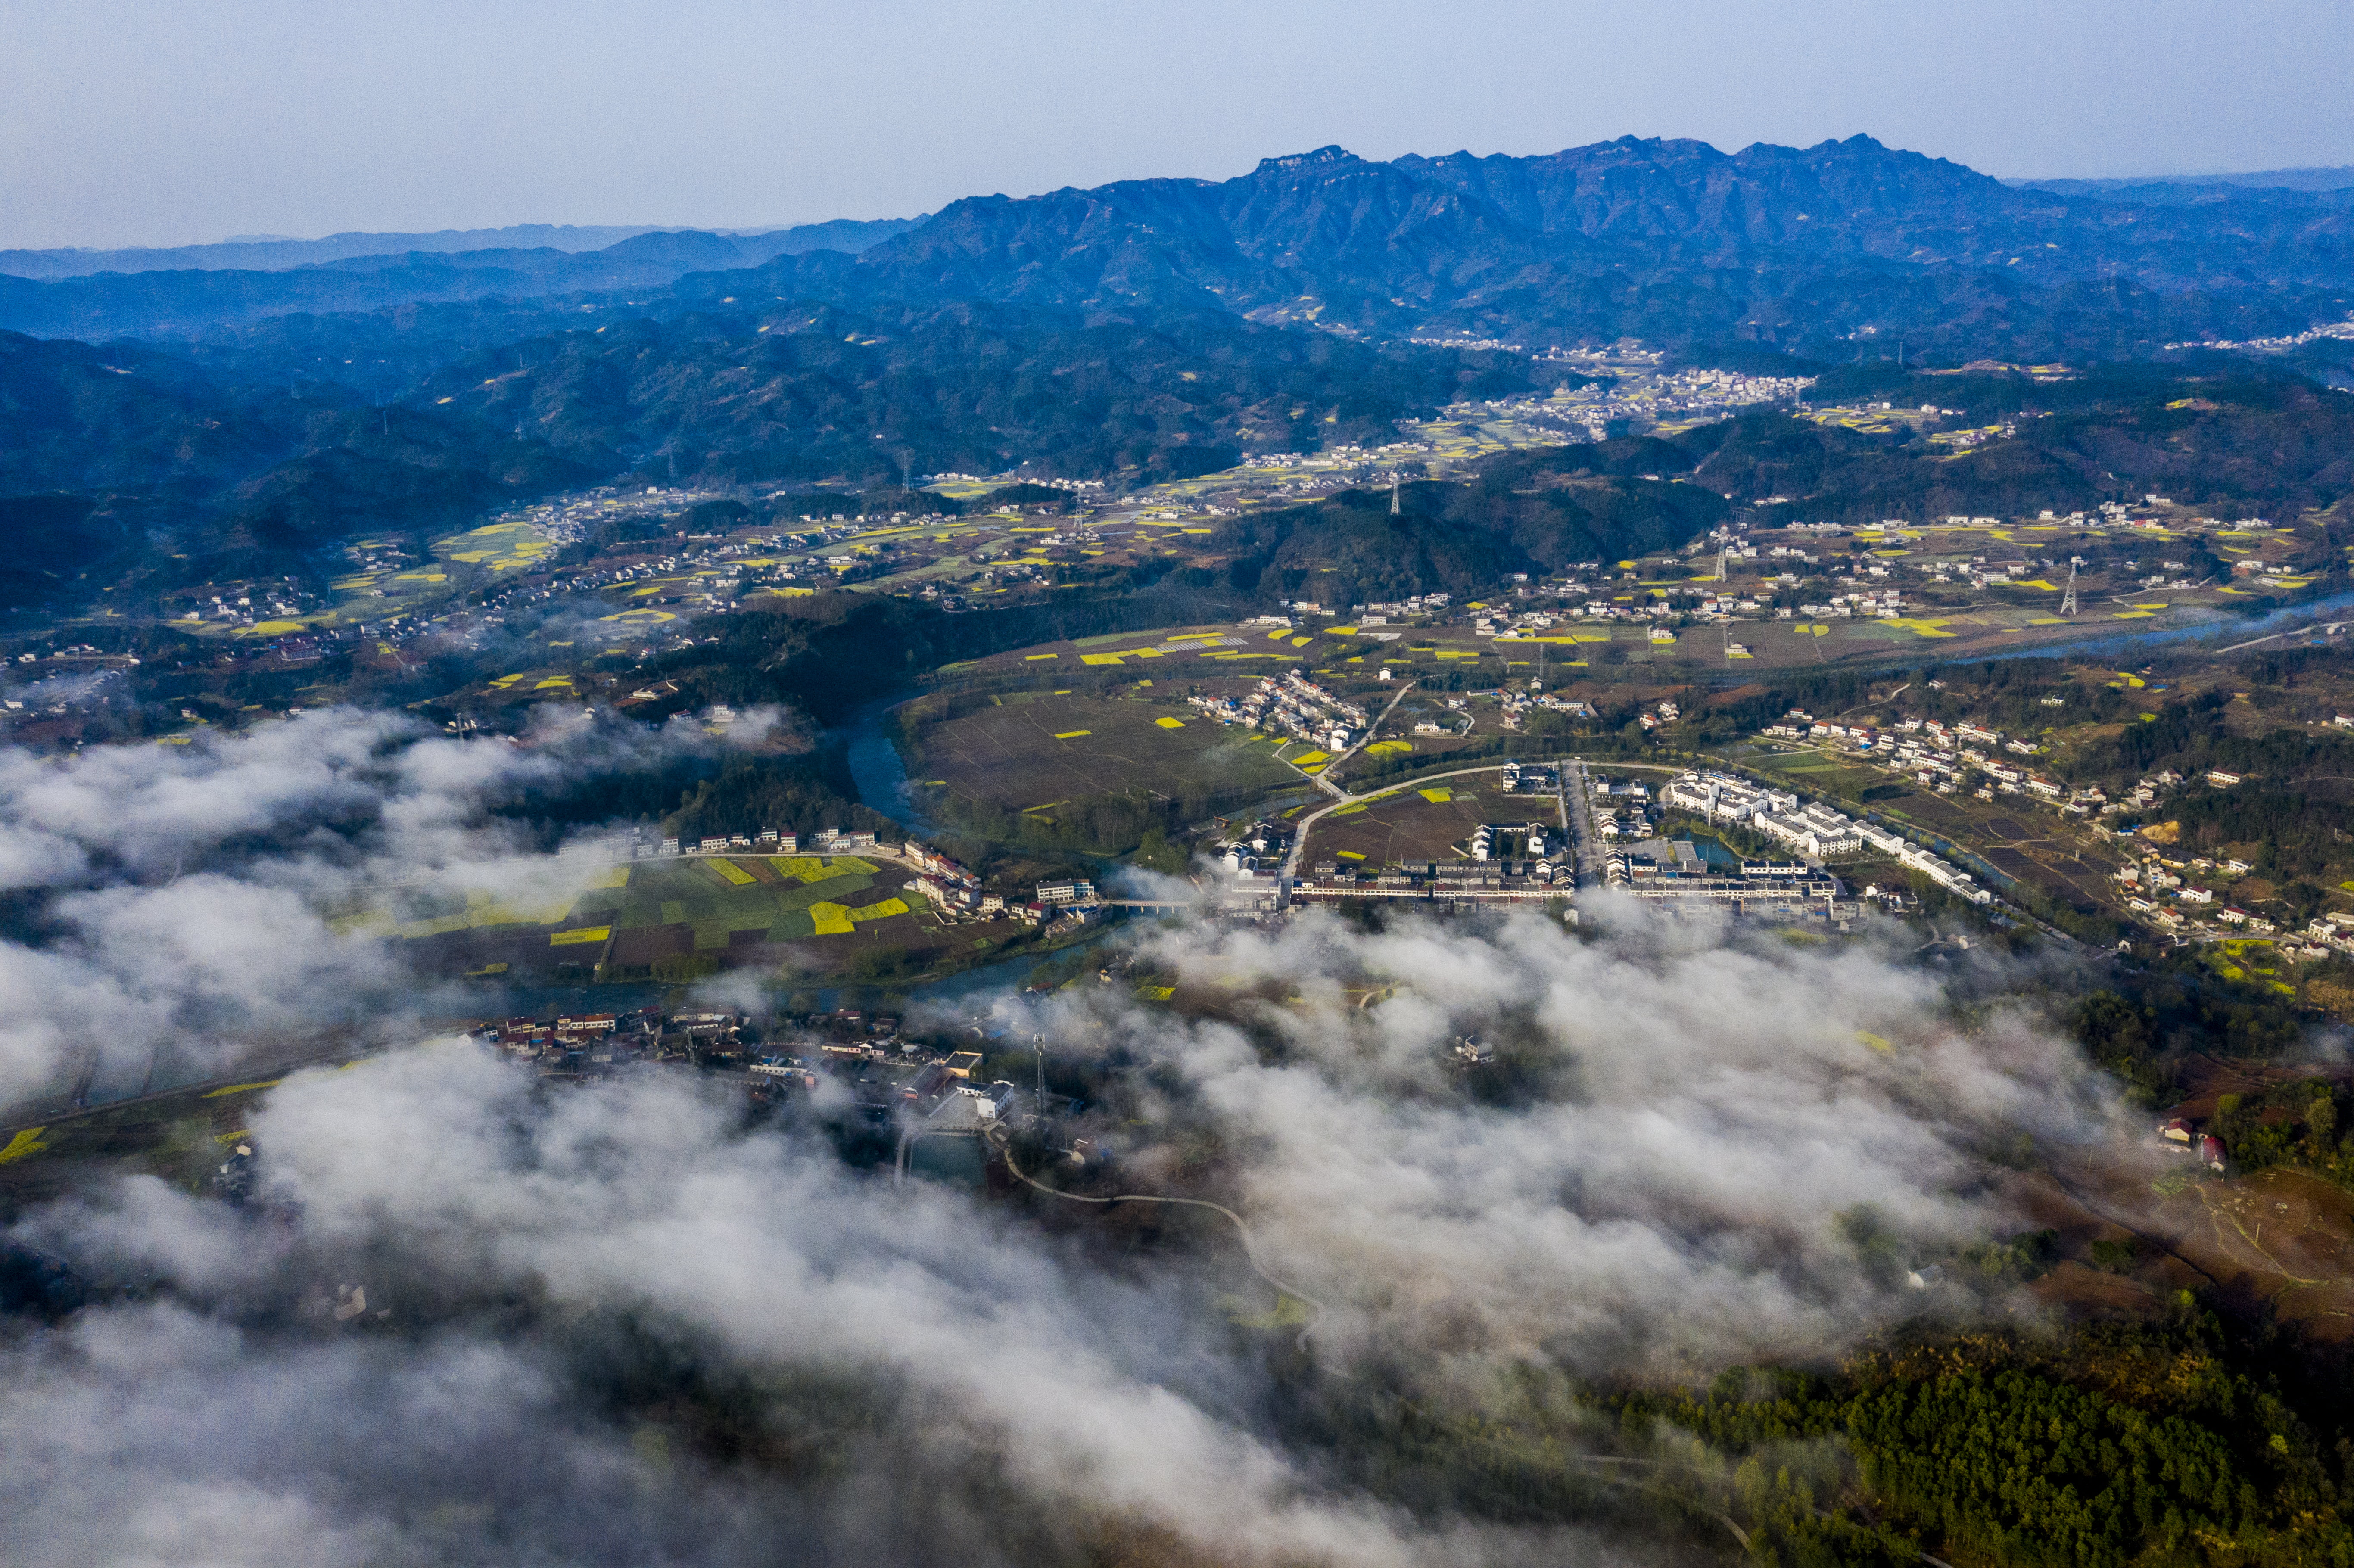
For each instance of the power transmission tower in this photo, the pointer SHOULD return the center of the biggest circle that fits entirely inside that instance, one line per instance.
(1722, 549)
(2068, 600)
(1393, 495)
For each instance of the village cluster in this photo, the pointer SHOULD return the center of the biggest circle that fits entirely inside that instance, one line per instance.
(1635, 396)
(898, 1087)
(1294, 705)
(1942, 757)
(2178, 896)
(2186, 899)
(1534, 860)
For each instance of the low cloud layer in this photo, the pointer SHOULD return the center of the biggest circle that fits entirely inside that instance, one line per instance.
(181, 900)
(1710, 1120)
(926, 1372)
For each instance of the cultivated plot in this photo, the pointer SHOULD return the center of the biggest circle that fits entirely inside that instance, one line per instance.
(1031, 752)
(1413, 824)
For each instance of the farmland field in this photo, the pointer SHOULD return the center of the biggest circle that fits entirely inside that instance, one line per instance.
(1031, 752)
(1413, 824)
(743, 909)
(2025, 842)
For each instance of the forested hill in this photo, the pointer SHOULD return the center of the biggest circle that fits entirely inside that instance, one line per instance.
(795, 390)
(122, 459)
(2237, 444)
(1532, 511)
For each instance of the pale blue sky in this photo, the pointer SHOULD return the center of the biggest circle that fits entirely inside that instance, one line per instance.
(169, 121)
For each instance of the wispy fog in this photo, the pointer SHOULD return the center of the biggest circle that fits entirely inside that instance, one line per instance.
(189, 899)
(620, 1323)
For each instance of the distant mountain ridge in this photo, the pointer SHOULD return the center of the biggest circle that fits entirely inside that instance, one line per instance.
(188, 302)
(1609, 204)
(284, 255)
(2332, 178)
(1843, 249)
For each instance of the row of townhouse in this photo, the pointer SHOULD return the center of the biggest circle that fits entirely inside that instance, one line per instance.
(767, 840)
(1420, 604)
(1813, 829)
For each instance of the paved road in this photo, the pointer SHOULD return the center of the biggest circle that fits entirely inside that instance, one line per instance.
(1578, 822)
(1002, 1142)
(2327, 627)
(1323, 777)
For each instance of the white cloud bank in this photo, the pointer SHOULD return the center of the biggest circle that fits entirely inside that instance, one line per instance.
(1663, 1193)
(184, 893)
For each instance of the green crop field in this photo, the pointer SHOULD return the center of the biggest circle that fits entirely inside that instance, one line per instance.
(778, 900)
(739, 907)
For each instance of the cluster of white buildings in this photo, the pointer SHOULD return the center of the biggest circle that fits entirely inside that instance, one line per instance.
(952, 889)
(1813, 829)
(2344, 329)
(1657, 610)
(1256, 850)
(2184, 910)
(1294, 705)
(1942, 757)
(1517, 704)
(1343, 456)
(1643, 400)
(1074, 485)
(1620, 806)
(1537, 843)
(1884, 604)
(767, 840)
(1419, 604)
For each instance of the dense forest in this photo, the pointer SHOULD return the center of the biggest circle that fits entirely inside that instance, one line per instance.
(1536, 511)
(2184, 1441)
(2238, 444)
(805, 390)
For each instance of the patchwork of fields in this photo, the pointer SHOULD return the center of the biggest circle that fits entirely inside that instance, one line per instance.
(635, 916)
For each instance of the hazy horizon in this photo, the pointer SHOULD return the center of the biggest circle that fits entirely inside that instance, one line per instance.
(135, 128)
(754, 228)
